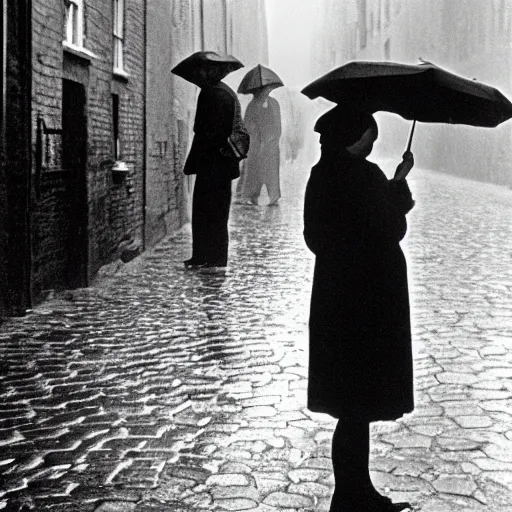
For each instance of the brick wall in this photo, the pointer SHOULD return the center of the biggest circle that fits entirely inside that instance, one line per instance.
(47, 56)
(114, 208)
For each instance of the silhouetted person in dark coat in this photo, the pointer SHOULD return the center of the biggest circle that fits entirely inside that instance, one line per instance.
(360, 367)
(209, 159)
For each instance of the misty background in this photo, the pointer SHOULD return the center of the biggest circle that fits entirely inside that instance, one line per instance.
(472, 38)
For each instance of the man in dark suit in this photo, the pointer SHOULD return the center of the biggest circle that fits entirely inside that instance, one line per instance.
(211, 160)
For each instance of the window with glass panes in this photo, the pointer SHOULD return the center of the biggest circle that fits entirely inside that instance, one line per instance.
(118, 34)
(75, 22)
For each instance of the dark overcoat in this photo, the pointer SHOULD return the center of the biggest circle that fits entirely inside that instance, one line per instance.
(360, 363)
(216, 108)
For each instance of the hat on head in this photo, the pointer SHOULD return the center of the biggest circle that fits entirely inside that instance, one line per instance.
(343, 125)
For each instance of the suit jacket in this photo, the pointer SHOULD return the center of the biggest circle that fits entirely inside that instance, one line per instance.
(212, 126)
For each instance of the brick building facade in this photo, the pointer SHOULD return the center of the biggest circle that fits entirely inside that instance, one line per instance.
(464, 36)
(73, 110)
(95, 130)
(87, 113)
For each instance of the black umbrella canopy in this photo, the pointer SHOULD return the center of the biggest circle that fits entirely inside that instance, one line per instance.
(258, 77)
(423, 92)
(205, 67)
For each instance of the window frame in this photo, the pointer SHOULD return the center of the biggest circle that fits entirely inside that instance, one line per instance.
(75, 22)
(118, 45)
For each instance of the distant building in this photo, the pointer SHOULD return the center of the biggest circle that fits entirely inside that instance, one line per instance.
(335, 39)
(469, 37)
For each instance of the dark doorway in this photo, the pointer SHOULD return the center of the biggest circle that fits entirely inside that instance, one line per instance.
(74, 163)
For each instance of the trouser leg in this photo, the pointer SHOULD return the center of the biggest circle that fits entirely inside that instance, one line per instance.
(273, 188)
(217, 241)
(350, 458)
(199, 220)
(210, 216)
(240, 186)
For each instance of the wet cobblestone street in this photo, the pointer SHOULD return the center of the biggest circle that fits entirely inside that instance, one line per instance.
(165, 389)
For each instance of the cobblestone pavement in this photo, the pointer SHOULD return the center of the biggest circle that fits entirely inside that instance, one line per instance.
(162, 389)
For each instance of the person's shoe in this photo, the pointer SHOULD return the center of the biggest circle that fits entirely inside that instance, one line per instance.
(218, 263)
(384, 504)
(193, 262)
(380, 504)
(389, 506)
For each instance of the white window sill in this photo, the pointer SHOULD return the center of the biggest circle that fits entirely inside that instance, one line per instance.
(79, 51)
(121, 73)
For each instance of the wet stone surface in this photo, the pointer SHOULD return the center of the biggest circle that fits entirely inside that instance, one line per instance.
(166, 389)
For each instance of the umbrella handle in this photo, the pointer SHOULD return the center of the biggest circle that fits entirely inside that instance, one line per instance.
(411, 133)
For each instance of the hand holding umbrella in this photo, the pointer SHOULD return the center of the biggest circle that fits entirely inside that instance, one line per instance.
(405, 166)
(407, 163)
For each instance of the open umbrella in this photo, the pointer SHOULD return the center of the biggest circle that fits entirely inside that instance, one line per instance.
(259, 77)
(205, 66)
(422, 92)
